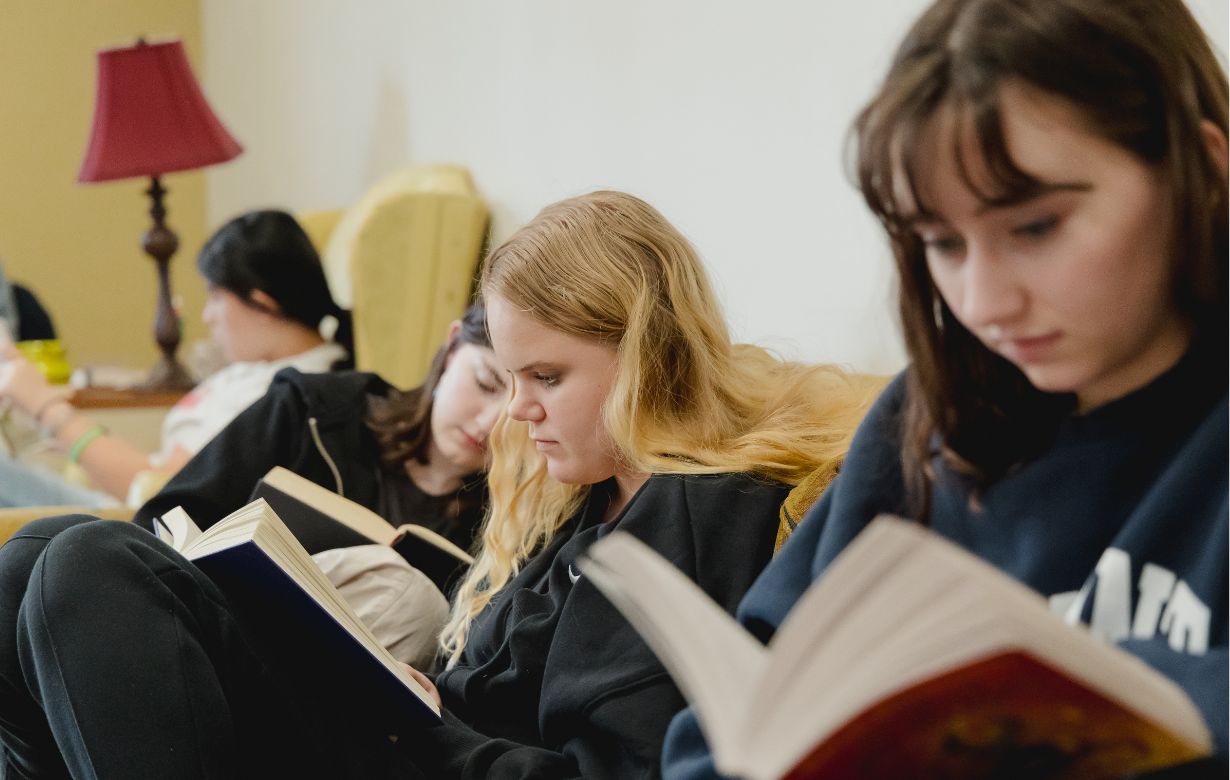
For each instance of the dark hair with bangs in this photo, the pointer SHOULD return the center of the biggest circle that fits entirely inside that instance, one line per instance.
(402, 421)
(1142, 74)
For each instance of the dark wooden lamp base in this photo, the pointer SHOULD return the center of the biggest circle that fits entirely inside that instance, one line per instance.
(160, 242)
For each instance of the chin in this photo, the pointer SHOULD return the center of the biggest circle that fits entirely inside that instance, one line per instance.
(1051, 380)
(560, 472)
(464, 461)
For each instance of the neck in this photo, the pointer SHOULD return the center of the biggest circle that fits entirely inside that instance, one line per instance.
(294, 339)
(626, 486)
(1162, 355)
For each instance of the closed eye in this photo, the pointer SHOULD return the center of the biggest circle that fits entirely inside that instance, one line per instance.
(943, 245)
(547, 380)
(1039, 228)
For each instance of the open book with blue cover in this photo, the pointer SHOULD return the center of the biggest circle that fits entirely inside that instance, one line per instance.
(255, 559)
(909, 657)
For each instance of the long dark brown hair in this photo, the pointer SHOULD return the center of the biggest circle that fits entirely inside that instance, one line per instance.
(1142, 74)
(401, 422)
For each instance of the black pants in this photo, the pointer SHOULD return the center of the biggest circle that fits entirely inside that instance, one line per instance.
(118, 658)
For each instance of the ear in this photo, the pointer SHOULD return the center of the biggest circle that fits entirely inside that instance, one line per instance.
(450, 341)
(265, 302)
(1215, 144)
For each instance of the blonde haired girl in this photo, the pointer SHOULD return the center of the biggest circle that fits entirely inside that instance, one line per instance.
(630, 409)
(608, 269)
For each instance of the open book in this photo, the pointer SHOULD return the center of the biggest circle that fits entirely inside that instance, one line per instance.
(323, 520)
(910, 657)
(252, 556)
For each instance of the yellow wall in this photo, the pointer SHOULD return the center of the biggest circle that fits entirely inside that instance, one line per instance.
(78, 246)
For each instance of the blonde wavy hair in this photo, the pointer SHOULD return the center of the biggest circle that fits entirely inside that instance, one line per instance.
(607, 266)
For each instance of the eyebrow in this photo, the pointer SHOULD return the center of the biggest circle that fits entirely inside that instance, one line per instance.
(925, 215)
(496, 375)
(1041, 191)
(537, 365)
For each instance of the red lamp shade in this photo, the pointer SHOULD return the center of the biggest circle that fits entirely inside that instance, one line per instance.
(150, 117)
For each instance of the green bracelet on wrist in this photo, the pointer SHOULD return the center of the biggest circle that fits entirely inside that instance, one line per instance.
(83, 441)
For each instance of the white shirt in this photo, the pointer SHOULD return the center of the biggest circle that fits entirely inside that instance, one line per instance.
(218, 399)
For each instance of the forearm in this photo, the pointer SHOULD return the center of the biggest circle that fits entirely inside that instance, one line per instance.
(109, 460)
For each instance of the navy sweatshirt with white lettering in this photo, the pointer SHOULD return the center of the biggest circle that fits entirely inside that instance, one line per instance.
(1122, 522)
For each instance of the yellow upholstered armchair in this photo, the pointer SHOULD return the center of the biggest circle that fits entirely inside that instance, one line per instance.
(12, 519)
(403, 258)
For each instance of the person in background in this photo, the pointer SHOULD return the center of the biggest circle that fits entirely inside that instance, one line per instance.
(22, 314)
(267, 297)
(414, 456)
(630, 409)
(1051, 175)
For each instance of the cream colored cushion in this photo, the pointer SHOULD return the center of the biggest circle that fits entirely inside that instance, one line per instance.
(399, 603)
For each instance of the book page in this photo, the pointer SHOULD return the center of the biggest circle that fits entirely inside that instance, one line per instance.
(176, 529)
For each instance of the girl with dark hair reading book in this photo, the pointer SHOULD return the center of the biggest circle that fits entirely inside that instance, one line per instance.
(1052, 177)
(630, 409)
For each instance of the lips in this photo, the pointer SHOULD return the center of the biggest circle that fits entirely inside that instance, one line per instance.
(473, 443)
(1027, 349)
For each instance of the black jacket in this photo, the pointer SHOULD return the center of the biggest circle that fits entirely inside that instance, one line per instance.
(554, 683)
(312, 424)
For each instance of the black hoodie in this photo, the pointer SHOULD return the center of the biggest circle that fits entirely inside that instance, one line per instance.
(312, 424)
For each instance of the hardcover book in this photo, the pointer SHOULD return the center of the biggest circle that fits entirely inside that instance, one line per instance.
(909, 657)
(323, 520)
(257, 562)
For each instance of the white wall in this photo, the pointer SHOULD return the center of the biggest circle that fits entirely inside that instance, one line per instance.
(729, 117)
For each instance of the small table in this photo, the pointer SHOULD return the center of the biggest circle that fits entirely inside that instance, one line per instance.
(136, 415)
(123, 398)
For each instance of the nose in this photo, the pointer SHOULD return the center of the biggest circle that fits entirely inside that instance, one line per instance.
(522, 407)
(990, 293)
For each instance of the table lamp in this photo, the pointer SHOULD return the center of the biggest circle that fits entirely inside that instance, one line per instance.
(150, 118)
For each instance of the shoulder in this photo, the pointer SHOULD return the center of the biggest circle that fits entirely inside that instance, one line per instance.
(875, 450)
(321, 358)
(706, 494)
(334, 394)
(719, 524)
(888, 405)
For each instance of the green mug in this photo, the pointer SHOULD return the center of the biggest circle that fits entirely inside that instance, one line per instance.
(48, 356)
